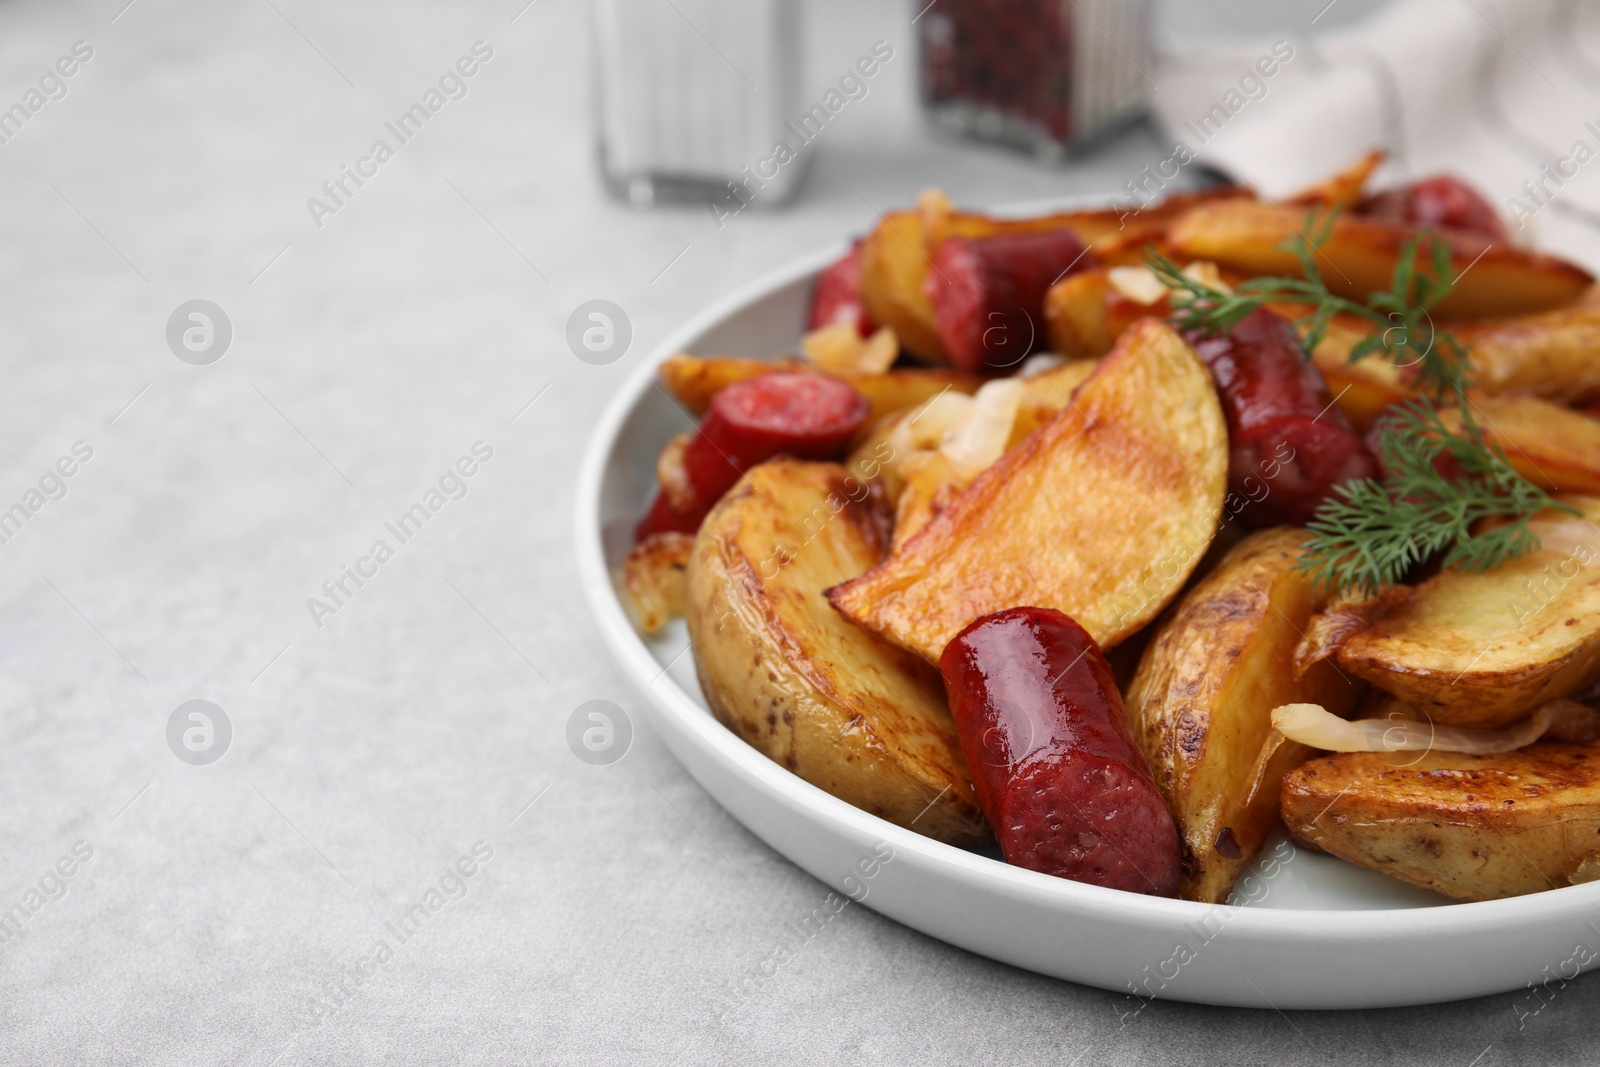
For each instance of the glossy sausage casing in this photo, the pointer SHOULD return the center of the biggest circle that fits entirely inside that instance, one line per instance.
(988, 293)
(1289, 444)
(807, 416)
(1057, 771)
(1440, 200)
(837, 297)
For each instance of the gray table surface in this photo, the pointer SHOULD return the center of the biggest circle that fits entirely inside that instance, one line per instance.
(221, 906)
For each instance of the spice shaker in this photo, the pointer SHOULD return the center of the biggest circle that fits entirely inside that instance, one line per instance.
(690, 94)
(1041, 75)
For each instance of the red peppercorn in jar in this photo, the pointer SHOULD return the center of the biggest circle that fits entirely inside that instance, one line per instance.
(1042, 75)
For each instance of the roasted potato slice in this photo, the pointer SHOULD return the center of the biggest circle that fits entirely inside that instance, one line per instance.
(1470, 827)
(1076, 315)
(1086, 312)
(1550, 354)
(1344, 189)
(651, 579)
(894, 261)
(1102, 513)
(909, 387)
(1201, 704)
(845, 711)
(1359, 256)
(1481, 650)
(1552, 446)
(1046, 394)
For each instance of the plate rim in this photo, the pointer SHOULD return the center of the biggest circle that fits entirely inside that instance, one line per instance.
(1307, 925)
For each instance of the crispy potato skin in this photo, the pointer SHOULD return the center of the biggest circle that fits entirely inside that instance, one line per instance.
(1482, 650)
(1360, 254)
(845, 711)
(1201, 704)
(1102, 513)
(894, 261)
(1470, 827)
(1076, 315)
(1549, 355)
(1552, 446)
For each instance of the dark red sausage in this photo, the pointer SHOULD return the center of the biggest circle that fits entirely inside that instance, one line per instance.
(1289, 444)
(988, 293)
(1057, 771)
(837, 297)
(808, 416)
(1442, 200)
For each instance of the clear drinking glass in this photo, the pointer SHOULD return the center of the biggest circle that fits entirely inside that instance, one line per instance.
(691, 95)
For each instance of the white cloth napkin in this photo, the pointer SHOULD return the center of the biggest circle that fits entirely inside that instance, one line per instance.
(1492, 91)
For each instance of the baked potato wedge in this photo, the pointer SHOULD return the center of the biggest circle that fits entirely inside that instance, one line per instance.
(1550, 354)
(1201, 704)
(1102, 513)
(651, 580)
(1470, 827)
(1554, 447)
(1345, 188)
(847, 712)
(1359, 257)
(1481, 650)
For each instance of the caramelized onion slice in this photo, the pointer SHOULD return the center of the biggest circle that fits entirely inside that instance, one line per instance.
(1313, 725)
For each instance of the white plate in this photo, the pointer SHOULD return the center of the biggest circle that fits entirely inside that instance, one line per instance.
(1317, 933)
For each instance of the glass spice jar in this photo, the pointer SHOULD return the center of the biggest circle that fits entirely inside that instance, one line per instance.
(691, 94)
(1041, 75)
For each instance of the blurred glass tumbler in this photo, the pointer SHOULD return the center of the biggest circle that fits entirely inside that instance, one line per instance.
(1041, 75)
(691, 96)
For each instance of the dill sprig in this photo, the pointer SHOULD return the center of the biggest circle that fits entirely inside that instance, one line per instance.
(1399, 319)
(1369, 534)
(1438, 482)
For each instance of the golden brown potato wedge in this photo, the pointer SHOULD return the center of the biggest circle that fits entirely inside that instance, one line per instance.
(1047, 393)
(1201, 704)
(1550, 355)
(1470, 827)
(1359, 256)
(1481, 650)
(1344, 189)
(931, 482)
(1076, 316)
(909, 387)
(1102, 513)
(652, 579)
(845, 711)
(1552, 446)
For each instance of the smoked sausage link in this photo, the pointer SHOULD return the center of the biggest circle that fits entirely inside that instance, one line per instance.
(807, 416)
(1289, 444)
(837, 297)
(988, 293)
(1057, 771)
(1442, 200)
